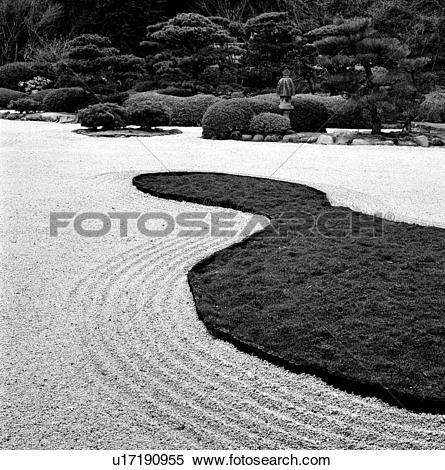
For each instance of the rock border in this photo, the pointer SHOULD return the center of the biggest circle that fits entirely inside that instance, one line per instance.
(431, 138)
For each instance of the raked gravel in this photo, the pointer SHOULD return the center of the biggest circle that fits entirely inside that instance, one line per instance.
(100, 340)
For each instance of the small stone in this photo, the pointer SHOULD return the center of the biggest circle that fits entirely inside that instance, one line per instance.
(360, 142)
(325, 139)
(311, 140)
(258, 138)
(421, 140)
(246, 137)
(407, 143)
(384, 142)
(236, 135)
(272, 138)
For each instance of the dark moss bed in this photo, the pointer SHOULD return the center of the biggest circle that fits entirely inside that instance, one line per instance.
(127, 132)
(365, 313)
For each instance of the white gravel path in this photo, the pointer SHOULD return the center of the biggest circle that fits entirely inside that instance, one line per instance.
(100, 341)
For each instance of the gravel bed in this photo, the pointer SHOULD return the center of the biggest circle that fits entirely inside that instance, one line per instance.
(102, 346)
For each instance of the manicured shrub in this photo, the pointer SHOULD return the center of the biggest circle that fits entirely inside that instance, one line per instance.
(224, 117)
(308, 115)
(190, 111)
(268, 103)
(269, 123)
(25, 105)
(343, 113)
(149, 98)
(105, 115)
(15, 74)
(7, 95)
(433, 107)
(68, 100)
(148, 115)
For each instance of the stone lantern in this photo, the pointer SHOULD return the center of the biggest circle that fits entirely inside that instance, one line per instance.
(285, 90)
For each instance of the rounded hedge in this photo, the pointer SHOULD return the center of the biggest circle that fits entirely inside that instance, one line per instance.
(190, 111)
(68, 100)
(308, 115)
(105, 115)
(25, 105)
(150, 98)
(148, 115)
(224, 117)
(7, 95)
(269, 123)
(268, 103)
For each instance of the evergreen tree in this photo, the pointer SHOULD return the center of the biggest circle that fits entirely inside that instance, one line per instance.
(91, 62)
(360, 63)
(185, 47)
(272, 36)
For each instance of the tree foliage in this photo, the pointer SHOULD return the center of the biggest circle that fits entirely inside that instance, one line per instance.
(186, 46)
(93, 63)
(360, 62)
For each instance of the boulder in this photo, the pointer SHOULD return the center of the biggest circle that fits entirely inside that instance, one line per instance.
(236, 135)
(344, 138)
(360, 142)
(422, 140)
(437, 142)
(293, 138)
(246, 137)
(67, 119)
(325, 139)
(50, 117)
(33, 117)
(272, 138)
(258, 138)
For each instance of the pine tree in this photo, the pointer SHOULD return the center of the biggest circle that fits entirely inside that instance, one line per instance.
(186, 46)
(91, 62)
(360, 63)
(272, 36)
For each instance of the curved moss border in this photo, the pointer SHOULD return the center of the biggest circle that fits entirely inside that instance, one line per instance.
(365, 388)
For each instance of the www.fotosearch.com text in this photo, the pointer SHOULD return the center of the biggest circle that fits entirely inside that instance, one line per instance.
(331, 223)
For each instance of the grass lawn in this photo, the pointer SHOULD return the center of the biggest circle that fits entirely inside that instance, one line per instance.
(363, 311)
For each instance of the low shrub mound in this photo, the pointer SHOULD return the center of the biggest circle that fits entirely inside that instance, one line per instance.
(106, 115)
(269, 123)
(7, 95)
(433, 107)
(25, 105)
(180, 92)
(149, 98)
(354, 299)
(148, 115)
(308, 115)
(190, 111)
(225, 117)
(66, 100)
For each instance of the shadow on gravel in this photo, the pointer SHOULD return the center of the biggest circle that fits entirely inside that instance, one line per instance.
(353, 299)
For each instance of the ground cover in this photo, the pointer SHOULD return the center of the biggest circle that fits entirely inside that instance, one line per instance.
(361, 309)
